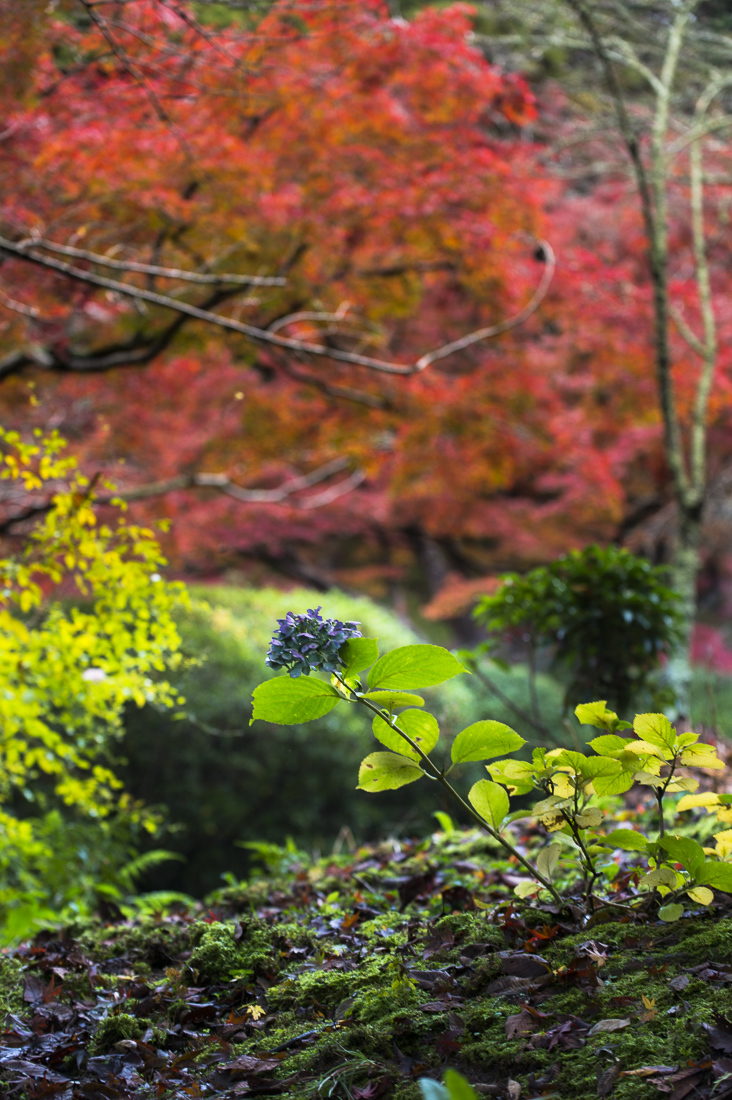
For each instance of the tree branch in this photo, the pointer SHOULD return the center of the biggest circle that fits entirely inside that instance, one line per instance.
(30, 254)
(224, 484)
(151, 269)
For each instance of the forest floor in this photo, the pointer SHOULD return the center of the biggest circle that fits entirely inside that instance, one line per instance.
(353, 976)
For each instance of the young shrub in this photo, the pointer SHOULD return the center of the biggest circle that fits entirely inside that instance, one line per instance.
(570, 784)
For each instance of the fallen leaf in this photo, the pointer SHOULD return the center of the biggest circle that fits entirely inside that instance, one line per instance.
(609, 1025)
(606, 1081)
(522, 1023)
(523, 965)
(649, 1071)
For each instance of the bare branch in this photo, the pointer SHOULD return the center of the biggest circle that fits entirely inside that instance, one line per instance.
(151, 269)
(224, 484)
(28, 252)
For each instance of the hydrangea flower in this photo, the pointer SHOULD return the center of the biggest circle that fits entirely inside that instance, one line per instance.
(308, 642)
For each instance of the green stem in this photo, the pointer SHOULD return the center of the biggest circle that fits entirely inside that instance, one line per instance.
(434, 772)
(660, 792)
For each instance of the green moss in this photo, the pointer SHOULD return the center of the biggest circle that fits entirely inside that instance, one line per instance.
(11, 985)
(218, 956)
(113, 1029)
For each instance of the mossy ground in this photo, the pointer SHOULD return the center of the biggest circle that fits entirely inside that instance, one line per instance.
(353, 977)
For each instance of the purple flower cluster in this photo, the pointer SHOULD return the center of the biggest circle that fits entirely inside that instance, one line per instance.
(308, 642)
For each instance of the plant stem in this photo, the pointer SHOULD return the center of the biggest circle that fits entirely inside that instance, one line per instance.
(660, 792)
(434, 772)
(591, 871)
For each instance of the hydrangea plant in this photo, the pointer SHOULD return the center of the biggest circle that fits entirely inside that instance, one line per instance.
(306, 643)
(569, 787)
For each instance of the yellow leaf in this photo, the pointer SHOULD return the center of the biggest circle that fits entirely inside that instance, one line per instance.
(691, 801)
(701, 894)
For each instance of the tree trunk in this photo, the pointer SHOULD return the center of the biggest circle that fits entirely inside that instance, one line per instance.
(684, 572)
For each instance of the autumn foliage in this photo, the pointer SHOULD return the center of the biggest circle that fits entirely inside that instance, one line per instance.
(385, 169)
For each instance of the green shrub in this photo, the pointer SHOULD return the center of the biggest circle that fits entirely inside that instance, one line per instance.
(270, 782)
(607, 615)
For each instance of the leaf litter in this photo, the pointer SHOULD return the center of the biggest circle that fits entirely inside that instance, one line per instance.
(355, 976)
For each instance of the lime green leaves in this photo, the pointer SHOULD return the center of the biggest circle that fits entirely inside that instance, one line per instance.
(288, 700)
(414, 666)
(684, 850)
(285, 701)
(566, 783)
(597, 714)
(717, 875)
(628, 840)
(671, 912)
(484, 740)
(491, 802)
(390, 700)
(357, 655)
(385, 771)
(420, 726)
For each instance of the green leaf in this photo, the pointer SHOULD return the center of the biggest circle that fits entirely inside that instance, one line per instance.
(587, 767)
(457, 1087)
(661, 876)
(490, 800)
(597, 714)
(454, 1088)
(517, 775)
(385, 771)
(414, 666)
(684, 850)
(358, 654)
(420, 725)
(717, 875)
(389, 700)
(608, 743)
(483, 740)
(672, 912)
(628, 840)
(445, 822)
(655, 728)
(286, 701)
(613, 779)
(547, 860)
(591, 818)
(648, 779)
(527, 888)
